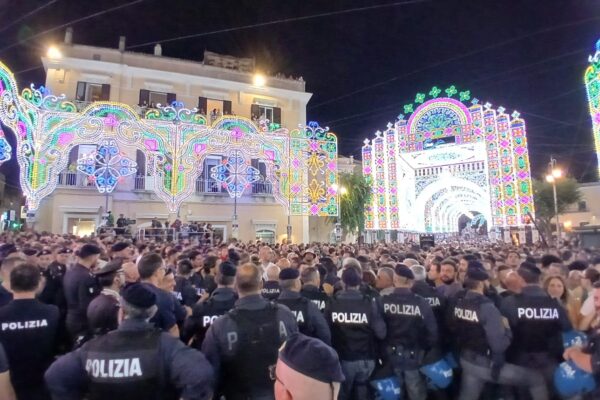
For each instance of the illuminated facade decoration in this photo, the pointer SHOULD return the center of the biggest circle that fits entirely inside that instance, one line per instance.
(592, 84)
(5, 149)
(106, 166)
(174, 140)
(447, 161)
(235, 174)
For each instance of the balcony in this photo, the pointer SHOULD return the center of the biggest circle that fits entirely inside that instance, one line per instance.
(74, 179)
(210, 186)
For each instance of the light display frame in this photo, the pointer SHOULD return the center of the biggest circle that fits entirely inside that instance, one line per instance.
(175, 141)
(592, 85)
(440, 122)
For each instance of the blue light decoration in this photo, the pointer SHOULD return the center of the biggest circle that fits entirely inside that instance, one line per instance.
(235, 174)
(106, 165)
(5, 149)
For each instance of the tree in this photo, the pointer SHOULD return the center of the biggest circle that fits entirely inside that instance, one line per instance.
(567, 193)
(355, 193)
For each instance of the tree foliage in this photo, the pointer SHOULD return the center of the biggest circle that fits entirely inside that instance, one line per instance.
(567, 193)
(352, 204)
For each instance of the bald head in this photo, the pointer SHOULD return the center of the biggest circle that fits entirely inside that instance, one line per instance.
(248, 280)
(273, 272)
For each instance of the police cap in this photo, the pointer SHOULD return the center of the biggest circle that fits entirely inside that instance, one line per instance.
(227, 268)
(311, 357)
(351, 278)
(88, 250)
(110, 267)
(45, 253)
(530, 268)
(289, 273)
(120, 246)
(136, 294)
(403, 271)
(30, 252)
(65, 250)
(476, 271)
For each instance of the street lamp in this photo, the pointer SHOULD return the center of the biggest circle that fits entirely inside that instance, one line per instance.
(554, 174)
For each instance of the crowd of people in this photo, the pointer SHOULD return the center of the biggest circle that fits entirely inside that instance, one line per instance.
(105, 318)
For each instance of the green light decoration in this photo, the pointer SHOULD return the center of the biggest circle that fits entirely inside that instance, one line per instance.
(464, 96)
(435, 92)
(408, 108)
(420, 98)
(451, 91)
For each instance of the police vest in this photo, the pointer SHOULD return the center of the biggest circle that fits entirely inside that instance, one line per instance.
(538, 328)
(271, 290)
(436, 302)
(321, 299)
(210, 311)
(258, 341)
(351, 332)
(466, 320)
(404, 319)
(124, 365)
(299, 307)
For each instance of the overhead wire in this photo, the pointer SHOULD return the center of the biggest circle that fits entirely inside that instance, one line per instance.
(27, 15)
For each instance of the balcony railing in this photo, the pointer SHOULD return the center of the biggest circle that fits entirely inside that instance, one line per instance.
(74, 179)
(208, 186)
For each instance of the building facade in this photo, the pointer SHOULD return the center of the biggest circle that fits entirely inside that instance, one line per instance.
(219, 87)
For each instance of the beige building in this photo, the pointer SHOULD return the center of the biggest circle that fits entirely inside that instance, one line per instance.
(587, 211)
(220, 85)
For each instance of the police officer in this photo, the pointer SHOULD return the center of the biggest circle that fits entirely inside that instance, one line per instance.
(242, 345)
(412, 331)
(310, 320)
(271, 289)
(356, 323)
(221, 300)
(8, 264)
(152, 272)
(483, 338)
(428, 292)
(310, 288)
(103, 311)
(184, 290)
(6, 390)
(28, 332)
(537, 322)
(80, 288)
(136, 361)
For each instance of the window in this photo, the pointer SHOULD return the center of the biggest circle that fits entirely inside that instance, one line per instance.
(149, 98)
(209, 184)
(265, 113)
(157, 98)
(259, 111)
(582, 206)
(87, 91)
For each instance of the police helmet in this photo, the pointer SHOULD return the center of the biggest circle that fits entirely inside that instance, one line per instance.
(573, 338)
(438, 374)
(570, 380)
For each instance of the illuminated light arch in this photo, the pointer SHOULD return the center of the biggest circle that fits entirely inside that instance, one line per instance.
(476, 143)
(592, 84)
(175, 142)
(459, 202)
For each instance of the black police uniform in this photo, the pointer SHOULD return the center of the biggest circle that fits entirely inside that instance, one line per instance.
(103, 312)
(80, 289)
(203, 314)
(317, 296)
(537, 322)
(412, 331)
(133, 362)
(271, 290)
(435, 301)
(243, 344)
(28, 332)
(483, 340)
(185, 291)
(5, 296)
(310, 320)
(53, 292)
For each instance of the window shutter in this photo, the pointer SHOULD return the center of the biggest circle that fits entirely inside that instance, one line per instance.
(171, 97)
(226, 107)
(254, 111)
(140, 159)
(144, 97)
(80, 95)
(105, 92)
(277, 115)
(202, 105)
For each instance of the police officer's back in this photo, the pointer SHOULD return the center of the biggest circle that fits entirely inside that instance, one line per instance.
(6, 390)
(411, 332)
(80, 288)
(356, 325)
(103, 311)
(436, 301)
(184, 289)
(310, 320)
(483, 338)
(310, 288)
(271, 288)
(242, 345)
(537, 322)
(8, 264)
(136, 361)
(204, 313)
(28, 332)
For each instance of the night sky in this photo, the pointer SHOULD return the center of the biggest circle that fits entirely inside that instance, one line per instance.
(362, 66)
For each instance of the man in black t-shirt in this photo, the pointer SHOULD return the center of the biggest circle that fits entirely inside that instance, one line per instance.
(28, 331)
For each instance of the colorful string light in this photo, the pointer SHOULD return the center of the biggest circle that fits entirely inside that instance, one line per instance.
(592, 84)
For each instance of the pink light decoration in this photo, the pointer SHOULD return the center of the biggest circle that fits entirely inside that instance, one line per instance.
(65, 138)
(199, 148)
(331, 166)
(270, 155)
(314, 145)
(168, 167)
(111, 120)
(237, 133)
(151, 144)
(22, 128)
(314, 209)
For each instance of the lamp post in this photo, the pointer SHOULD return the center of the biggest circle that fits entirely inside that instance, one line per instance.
(554, 174)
